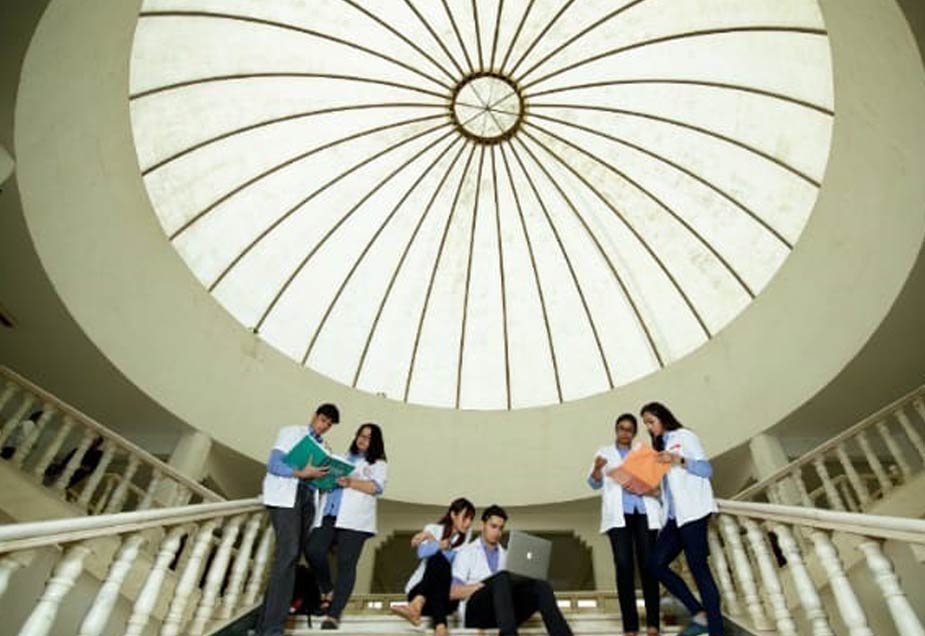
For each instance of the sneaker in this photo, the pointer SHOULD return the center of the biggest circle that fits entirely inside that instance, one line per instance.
(694, 629)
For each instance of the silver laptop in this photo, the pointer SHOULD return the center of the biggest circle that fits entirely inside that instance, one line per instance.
(528, 555)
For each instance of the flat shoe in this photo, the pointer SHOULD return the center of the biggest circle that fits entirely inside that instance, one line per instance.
(694, 629)
(407, 613)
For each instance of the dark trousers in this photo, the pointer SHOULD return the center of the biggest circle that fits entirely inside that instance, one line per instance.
(505, 602)
(292, 527)
(435, 588)
(349, 545)
(636, 538)
(692, 539)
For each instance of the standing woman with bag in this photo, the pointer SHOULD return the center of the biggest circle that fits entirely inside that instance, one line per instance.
(631, 522)
(346, 516)
(687, 504)
(428, 589)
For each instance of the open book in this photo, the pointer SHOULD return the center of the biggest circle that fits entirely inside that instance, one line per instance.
(308, 451)
(639, 473)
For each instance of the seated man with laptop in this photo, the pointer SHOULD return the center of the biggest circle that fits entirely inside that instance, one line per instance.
(503, 588)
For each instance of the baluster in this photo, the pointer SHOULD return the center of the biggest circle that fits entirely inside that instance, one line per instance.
(216, 576)
(104, 496)
(181, 495)
(772, 586)
(805, 590)
(27, 401)
(239, 570)
(96, 476)
(797, 476)
(74, 462)
(121, 491)
(62, 580)
(743, 571)
(830, 493)
(847, 601)
(48, 411)
(42, 465)
(886, 485)
(860, 488)
(9, 564)
(773, 493)
(155, 481)
(894, 449)
(189, 579)
(907, 623)
(98, 615)
(7, 394)
(848, 497)
(911, 433)
(258, 571)
(919, 405)
(147, 597)
(721, 568)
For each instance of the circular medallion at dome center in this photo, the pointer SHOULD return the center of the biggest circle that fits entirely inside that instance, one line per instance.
(487, 108)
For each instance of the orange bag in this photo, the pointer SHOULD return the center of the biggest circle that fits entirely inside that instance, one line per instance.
(639, 473)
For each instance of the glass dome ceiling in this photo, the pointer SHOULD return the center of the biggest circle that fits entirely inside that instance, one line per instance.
(482, 205)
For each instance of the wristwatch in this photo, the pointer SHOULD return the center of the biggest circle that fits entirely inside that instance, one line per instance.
(683, 462)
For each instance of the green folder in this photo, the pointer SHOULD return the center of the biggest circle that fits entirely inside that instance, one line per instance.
(309, 451)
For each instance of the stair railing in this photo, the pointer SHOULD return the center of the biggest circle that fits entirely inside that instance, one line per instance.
(80, 473)
(216, 556)
(800, 552)
(889, 433)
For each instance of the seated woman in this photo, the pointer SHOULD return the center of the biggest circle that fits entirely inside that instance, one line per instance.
(346, 516)
(428, 588)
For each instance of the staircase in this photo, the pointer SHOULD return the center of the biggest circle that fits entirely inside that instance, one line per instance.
(110, 539)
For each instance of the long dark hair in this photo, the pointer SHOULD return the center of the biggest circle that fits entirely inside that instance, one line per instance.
(458, 505)
(666, 417)
(376, 450)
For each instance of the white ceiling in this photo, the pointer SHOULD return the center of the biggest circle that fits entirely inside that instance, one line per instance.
(306, 160)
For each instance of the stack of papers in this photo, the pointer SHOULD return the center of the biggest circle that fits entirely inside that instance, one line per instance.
(639, 473)
(308, 451)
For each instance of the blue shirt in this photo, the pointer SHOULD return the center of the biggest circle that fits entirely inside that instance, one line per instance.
(632, 502)
(429, 548)
(277, 463)
(491, 555)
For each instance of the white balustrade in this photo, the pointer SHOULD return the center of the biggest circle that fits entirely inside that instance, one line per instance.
(215, 577)
(258, 571)
(242, 561)
(742, 568)
(166, 528)
(860, 537)
(721, 569)
(859, 496)
(62, 580)
(98, 615)
(65, 446)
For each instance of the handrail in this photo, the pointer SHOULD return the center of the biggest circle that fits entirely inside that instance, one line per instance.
(106, 433)
(874, 526)
(22, 536)
(829, 444)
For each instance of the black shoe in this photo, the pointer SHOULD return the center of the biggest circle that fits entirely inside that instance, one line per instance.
(329, 623)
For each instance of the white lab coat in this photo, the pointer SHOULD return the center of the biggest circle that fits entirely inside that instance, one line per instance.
(692, 495)
(471, 565)
(612, 493)
(357, 509)
(281, 491)
(436, 530)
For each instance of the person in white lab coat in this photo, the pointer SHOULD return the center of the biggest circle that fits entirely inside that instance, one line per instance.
(289, 496)
(428, 589)
(346, 516)
(687, 504)
(631, 522)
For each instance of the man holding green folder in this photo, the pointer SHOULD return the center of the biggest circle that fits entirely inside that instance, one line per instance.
(289, 494)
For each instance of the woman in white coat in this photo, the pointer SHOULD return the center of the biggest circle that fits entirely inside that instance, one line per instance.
(631, 522)
(428, 589)
(687, 504)
(346, 516)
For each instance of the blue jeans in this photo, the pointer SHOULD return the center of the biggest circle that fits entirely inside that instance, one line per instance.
(692, 539)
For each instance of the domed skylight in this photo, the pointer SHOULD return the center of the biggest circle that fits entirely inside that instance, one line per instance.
(482, 205)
